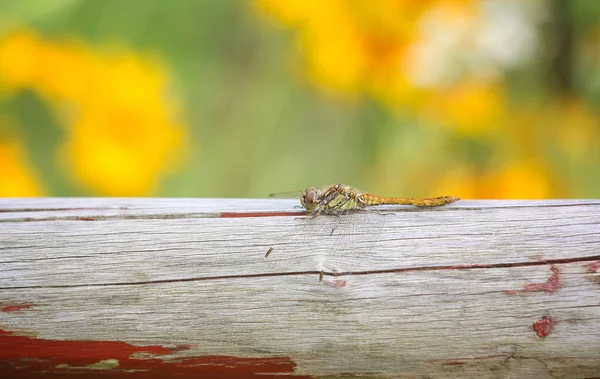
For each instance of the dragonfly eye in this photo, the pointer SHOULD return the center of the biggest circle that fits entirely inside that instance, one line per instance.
(309, 199)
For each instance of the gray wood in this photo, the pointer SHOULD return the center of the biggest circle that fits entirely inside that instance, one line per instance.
(447, 292)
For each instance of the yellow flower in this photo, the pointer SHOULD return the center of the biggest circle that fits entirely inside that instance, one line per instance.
(470, 106)
(20, 60)
(16, 178)
(521, 181)
(575, 126)
(349, 48)
(388, 49)
(517, 180)
(66, 73)
(127, 133)
(124, 132)
(121, 152)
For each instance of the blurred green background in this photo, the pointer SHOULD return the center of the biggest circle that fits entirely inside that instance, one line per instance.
(212, 98)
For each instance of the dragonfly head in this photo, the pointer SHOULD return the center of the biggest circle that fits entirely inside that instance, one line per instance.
(310, 198)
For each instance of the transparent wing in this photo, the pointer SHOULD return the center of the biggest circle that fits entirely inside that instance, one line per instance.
(356, 235)
(285, 195)
(303, 243)
(334, 245)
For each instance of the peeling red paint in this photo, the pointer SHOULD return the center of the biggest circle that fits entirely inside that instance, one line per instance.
(593, 267)
(16, 307)
(338, 283)
(543, 327)
(27, 357)
(553, 283)
(454, 363)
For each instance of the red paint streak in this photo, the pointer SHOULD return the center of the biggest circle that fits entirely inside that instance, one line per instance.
(511, 292)
(85, 219)
(455, 363)
(16, 307)
(338, 283)
(551, 285)
(27, 357)
(260, 214)
(593, 267)
(544, 326)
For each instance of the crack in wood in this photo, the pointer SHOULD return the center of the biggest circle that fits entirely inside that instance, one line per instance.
(331, 274)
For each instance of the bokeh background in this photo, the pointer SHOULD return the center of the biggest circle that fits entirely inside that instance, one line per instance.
(241, 98)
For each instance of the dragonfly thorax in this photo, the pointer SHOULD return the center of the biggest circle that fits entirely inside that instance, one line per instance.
(333, 199)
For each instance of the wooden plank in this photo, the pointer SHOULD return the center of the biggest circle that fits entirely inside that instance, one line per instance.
(474, 289)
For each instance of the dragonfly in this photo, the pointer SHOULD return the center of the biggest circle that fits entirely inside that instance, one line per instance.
(353, 225)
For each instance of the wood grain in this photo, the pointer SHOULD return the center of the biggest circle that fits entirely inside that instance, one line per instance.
(473, 289)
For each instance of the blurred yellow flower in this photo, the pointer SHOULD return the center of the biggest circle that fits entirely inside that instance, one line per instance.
(387, 49)
(349, 49)
(518, 180)
(19, 60)
(123, 131)
(16, 178)
(119, 152)
(470, 107)
(65, 73)
(574, 127)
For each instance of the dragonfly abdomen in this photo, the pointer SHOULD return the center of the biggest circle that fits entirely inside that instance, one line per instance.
(369, 199)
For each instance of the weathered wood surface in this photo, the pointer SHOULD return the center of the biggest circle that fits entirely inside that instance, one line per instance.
(151, 287)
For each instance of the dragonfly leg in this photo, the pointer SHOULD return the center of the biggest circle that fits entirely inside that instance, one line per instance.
(338, 214)
(269, 252)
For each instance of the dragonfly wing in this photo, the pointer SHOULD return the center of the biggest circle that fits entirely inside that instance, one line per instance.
(356, 235)
(298, 248)
(286, 195)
